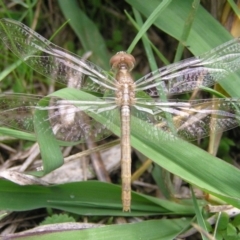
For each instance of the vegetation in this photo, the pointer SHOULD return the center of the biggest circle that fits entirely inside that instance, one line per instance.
(156, 33)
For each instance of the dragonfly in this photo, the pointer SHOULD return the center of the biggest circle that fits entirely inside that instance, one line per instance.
(118, 96)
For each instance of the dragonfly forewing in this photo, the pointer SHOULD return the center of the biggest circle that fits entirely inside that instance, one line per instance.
(192, 73)
(52, 61)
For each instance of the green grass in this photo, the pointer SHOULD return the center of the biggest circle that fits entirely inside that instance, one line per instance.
(181, 158)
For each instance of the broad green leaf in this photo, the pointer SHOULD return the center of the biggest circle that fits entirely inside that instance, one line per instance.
(85, 198)
(189, 162)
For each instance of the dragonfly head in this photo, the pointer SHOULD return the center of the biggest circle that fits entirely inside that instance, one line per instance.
(122, 60)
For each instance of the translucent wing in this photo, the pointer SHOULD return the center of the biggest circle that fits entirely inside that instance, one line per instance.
(192, 73)
(69, 120)
(53, 61)
(190, 120)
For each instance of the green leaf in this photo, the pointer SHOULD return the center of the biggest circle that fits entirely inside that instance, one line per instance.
(223, 221)
(189, 162)
(199, 215)
(151, 18)
(48, 144)
(231, 230)
(164, 229)
(236, 221)
(87, 32)
(17, 134)
(85, 198)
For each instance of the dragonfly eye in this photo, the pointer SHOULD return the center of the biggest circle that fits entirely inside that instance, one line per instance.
(121, 60)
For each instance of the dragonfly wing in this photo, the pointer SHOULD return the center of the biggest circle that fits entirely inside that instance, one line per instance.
(189, 120)
(52, 61)
(69, 120)
(16, 111)
(192, 73)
